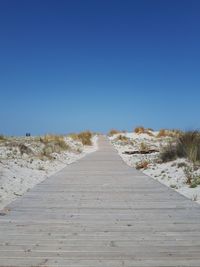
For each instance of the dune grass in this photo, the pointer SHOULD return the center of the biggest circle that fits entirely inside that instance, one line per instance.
(186, 145)
(142, 130)
(122, 138)
(163, 133)
(113, 131)
(139, 129)
(169, 133)
(56, 139)
(53, 144)
(2, 138)
(84, 137)
(144, 147)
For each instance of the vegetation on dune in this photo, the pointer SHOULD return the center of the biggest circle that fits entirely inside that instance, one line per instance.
(142, 165)
(122, 138)
(168, 153)
(74, 136)
(57, 139)
(189, 146)
(25, 149)
(186, 145)
(53, 144)
(150, 129)
(2, 138)
(144, 147)
(142, 130)
(139, 130)
(84, 137)
(169, 133)
(44, 146)
(163, 133)
(193, 179)
(113, 131)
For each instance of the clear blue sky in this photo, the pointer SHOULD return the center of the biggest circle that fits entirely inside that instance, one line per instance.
(72, 65)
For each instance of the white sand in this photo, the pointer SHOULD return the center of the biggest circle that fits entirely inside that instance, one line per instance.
(19, 173)
(170, 173)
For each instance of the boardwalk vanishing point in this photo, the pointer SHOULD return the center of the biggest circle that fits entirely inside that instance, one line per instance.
(98, 212)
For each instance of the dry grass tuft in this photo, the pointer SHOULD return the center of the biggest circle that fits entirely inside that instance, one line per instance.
(187, 145)
(142, 130)
(53, 144)
(113, 131)
(142, 165)
(85, 138)
(122, 138)
(144, 147)
(169, 133)
(139, 130)
(149, 132)
(57, 140)
(2, 138)
(193, 180)
(168, 153)
(163, 133)
(176, 132)
(25, 149)
(74, 136)
(150, 129)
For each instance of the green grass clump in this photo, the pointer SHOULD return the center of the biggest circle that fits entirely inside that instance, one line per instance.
(195, 182)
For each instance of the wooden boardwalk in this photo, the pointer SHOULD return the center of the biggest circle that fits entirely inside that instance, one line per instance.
(100, 212)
